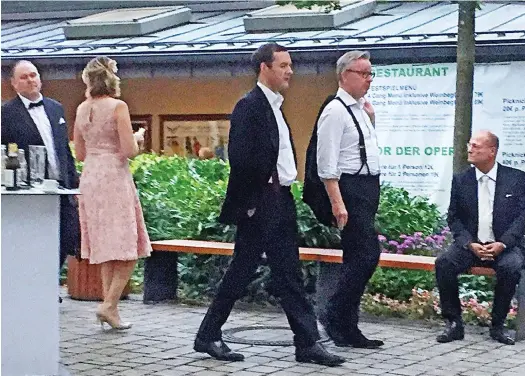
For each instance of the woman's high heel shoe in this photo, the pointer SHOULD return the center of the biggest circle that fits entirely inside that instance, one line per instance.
(113, 324)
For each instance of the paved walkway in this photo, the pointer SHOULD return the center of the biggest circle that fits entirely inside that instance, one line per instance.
(160, 343)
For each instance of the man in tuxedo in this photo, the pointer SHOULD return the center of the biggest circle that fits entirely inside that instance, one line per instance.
(258, 200)
(487, 218)
(32, 119)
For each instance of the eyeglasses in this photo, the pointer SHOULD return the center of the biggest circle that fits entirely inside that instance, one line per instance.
(363, 74)
(29, 75)
(477, 146)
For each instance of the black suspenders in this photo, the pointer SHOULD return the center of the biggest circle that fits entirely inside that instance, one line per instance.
(362, 148)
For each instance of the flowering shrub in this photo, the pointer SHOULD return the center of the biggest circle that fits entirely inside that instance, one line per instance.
(417, 244)
(424, 304)
(401, 213)
(181, 199)
(420, 306)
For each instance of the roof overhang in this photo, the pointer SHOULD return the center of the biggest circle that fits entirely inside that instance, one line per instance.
(228, 62)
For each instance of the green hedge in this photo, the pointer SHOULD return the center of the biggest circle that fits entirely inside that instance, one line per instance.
(181, 199)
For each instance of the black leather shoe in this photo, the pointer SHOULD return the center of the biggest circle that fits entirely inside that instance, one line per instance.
(361, 342)
(339, 339)
(498, 334)
(318, 354)
(218, 350)
(357, 340)
(453, 331)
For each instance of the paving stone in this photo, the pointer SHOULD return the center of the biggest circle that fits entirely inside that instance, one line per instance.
(387, 365)
(256, 359)
(130, 346)
(97, 372)
(190, 368)
(440, 372)
(161, 344)
(264, 369)
(114, 368)
(141, 359)
(284, 373)
(108, 351)
(344, 369)
(171, 372)
(403, 362)
(231, 368)
(82, 367)
(370, 371)
(247, 373)
(176, 361)
(301, 370)
(103, 360)
(407, 372)
(479, 373)
(132, 372)
(153, 367)
(414, 357)
(279, 364)
(368, 361)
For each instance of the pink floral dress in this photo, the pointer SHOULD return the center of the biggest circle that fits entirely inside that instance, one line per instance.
(111, 220)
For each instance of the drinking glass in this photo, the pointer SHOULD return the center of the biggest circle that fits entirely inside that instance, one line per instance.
(37, 163)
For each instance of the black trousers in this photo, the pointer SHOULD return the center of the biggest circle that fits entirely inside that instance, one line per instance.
(361, 251)
(69, 229)
(458, 260)
(271, 230)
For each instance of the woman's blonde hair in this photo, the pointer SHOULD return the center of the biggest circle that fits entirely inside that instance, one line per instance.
(100, 77)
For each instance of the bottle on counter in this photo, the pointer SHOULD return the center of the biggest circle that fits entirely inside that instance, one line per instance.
(11, 166)
(22, 171)
(4, 158)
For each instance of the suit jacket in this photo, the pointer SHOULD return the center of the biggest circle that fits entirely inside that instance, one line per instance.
(253, 150)
(508, 221)
(19, 127)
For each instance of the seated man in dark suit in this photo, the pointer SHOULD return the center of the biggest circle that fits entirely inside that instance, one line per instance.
(487, 218)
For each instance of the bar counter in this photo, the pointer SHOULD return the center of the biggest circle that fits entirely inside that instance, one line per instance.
(30, 312)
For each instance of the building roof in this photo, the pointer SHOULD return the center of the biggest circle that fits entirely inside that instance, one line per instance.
(396, 32)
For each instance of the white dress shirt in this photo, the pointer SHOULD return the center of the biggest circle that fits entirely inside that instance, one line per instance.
(485, 232)
(39, 116)
(286, 168)
(338, 139)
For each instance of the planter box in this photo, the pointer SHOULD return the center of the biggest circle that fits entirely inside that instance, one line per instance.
(84, 282)
(289, 18)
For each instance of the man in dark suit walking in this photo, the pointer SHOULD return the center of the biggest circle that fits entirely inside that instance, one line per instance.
(259, 202)
(487, 218)
(32, 119)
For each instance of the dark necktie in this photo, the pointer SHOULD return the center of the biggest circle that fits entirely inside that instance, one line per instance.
(32, 105)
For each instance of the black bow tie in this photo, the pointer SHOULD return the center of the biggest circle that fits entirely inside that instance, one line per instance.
(39, 103)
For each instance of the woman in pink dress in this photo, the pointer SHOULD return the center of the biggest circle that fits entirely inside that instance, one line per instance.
(111, 221)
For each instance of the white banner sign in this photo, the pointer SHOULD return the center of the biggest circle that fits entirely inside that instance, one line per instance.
(414, 107)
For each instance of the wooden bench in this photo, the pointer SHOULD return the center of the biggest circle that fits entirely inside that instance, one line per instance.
(160, 263)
